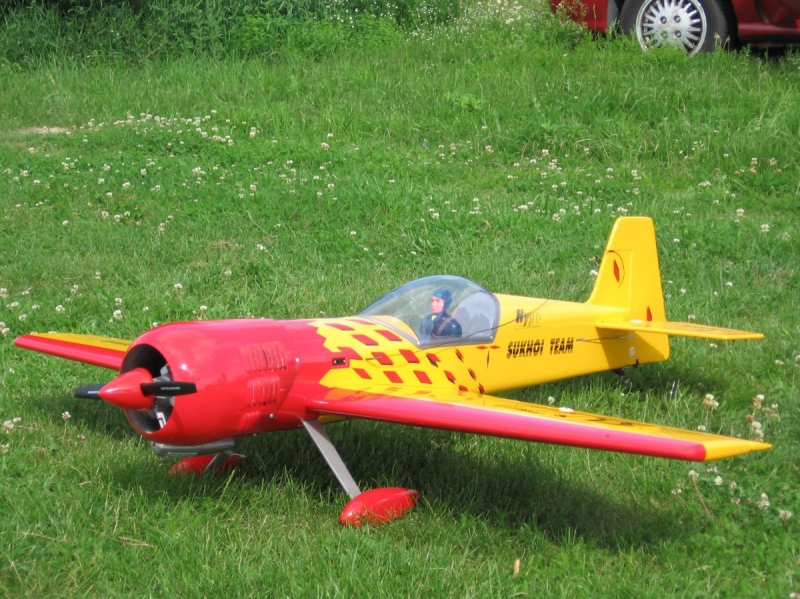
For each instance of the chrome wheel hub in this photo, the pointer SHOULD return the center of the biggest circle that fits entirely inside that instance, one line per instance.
(672, 23)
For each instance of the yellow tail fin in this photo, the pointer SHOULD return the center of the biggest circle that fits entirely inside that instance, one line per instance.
(629, 275)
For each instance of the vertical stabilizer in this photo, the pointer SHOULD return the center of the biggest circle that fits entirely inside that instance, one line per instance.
(629, 275)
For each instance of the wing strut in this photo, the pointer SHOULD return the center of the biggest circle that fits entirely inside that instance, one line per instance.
(328, 451)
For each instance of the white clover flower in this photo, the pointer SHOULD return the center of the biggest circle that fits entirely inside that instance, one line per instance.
(65, 416)
(763, 503)
(178, 286)
(117, 315)
(718, 481)
(118, 301)
(784, 515)
(60, 308)
(765, 228)
(709, 402)
(693, 475)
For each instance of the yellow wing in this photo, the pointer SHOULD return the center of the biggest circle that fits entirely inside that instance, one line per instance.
(483, 414)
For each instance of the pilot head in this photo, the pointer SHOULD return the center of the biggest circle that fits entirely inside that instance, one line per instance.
(441, 300)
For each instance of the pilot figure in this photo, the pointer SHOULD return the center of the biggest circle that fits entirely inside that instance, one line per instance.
(439, 323)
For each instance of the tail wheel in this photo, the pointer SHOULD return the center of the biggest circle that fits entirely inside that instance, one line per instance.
(691, 25)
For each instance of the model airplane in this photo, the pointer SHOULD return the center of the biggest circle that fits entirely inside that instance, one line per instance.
(430, 353)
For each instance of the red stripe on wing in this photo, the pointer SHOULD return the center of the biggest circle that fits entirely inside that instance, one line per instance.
(88, 354)
(523, 425)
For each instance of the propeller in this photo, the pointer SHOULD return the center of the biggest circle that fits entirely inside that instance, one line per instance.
(135, 390)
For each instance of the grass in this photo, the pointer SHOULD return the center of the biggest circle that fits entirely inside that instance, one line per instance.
(497, 151)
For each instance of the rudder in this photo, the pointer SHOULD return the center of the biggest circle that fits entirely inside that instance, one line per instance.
(629, 274)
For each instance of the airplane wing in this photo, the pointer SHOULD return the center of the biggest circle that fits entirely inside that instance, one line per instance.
(106, 352)
(483, 414)
(682, 329)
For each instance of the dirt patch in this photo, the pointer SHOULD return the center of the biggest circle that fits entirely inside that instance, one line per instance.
(42, 130)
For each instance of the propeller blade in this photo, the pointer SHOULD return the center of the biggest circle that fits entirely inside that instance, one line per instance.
(135, 390)
(168, 388)
(89, 391)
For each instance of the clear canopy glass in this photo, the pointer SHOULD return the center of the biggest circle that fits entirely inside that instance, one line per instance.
(404, 309)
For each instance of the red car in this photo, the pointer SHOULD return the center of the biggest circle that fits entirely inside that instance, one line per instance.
(694, 25)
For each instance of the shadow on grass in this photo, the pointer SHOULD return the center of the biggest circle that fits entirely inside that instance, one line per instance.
(511, 485)
(512, 492)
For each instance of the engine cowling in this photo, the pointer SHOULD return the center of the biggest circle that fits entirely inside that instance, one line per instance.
(243, 370)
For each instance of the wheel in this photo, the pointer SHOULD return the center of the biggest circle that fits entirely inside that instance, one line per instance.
(693, 25)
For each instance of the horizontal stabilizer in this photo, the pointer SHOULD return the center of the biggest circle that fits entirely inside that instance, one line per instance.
(105, 352)
(680, 329)
(486, 415)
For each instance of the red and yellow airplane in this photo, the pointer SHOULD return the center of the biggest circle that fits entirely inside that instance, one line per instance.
(430, 353)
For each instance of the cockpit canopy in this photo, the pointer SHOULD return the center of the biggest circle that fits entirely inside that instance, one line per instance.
(474, 308)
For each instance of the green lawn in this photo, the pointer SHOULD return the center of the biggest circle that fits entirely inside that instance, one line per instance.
(500, 149)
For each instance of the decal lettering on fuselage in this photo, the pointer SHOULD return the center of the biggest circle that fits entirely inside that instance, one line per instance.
(525, 349)
(561, 345)
(527, 319)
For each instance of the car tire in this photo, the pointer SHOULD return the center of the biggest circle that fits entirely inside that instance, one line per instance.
(693, 25)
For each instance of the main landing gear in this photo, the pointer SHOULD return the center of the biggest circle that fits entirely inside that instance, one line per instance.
(376, 506)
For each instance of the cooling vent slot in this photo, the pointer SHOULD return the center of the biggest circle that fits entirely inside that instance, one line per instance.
(264, 391)
(264, 357)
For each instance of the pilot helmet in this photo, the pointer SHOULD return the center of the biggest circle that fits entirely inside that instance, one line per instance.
(445, 295)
